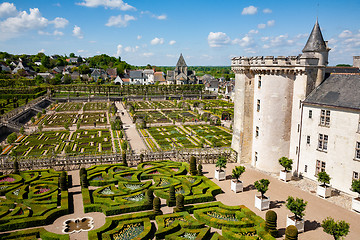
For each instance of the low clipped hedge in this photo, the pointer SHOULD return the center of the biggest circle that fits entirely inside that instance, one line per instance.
(34, 234)
(203, 233)
(113, 222)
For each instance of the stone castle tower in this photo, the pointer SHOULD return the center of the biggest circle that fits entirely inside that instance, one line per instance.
(181, 66)
(268, 95)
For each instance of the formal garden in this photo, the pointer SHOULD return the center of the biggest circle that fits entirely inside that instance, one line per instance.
(69, 107)
(96, 106)
(31, 199)
(186, 136)
(135, 193)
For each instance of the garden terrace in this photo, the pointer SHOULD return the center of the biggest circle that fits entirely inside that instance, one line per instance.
(69, 107)
(31, 199)
(214, 103)
(186, 136)
(91, 141)
(145, 105)
(6, 105)
(59, 119)
(152, 116)
(179, 116)
(96, 106)
(93, 117)
(43, 143)
(119, 189)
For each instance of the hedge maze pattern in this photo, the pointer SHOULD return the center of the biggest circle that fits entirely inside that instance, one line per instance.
(117, 189)
(30, 199)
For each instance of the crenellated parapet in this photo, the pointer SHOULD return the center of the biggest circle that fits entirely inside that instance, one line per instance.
(274, 65)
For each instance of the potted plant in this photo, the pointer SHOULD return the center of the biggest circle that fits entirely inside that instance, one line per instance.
(236, 184)
(220, 173)
(323, 190)
(338, 229)
(297, 207)
(355, 186)
(262, 202)
(286, 163)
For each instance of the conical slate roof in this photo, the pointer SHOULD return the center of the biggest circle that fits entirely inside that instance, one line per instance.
(316, 42)
(181, 62)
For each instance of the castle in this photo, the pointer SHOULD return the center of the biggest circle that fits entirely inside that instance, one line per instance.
(271, 98)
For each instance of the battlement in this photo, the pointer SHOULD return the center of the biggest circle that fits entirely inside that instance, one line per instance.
(271, 61)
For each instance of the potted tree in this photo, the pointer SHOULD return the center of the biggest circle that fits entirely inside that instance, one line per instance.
(337, 229)
(355, 186)
(236, 184)
(323, 190)
(286, 163)
(220, 173)
(297, 207)
(262, 202)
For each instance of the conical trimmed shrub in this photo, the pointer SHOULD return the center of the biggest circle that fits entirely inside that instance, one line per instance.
(156, 206)
(84, 181)
(124, 161)
(193, 170)
(172, 200)
(16, 167)
(291, 233)
(83, 171)
(199, 171)
(179, 203)
(63, 181)
(271, 223)
(149, 197)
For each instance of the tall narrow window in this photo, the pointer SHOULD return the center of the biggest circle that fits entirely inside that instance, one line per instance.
(355, 176)
(259, 82)
(256, 157)
(308, 139)
(320, 166)
(305, 168)
(325, 118)
(257, 132)
(357, 151)
(258, 105)
(310, 113)
(323, 141)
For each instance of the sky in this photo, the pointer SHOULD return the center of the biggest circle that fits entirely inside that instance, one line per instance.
(207, 33)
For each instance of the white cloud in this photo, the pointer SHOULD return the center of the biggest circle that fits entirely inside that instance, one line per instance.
(161, 17)
(172, 42)
(244, 42)
(218, 39)
(77, 32)
(60, 22)
(120, 21)
(119, 50)
(80, 51)
(261, 25)
(119, 4)
(253, 31)
(148, 54)
(24, 21)
(250, 10)
(157, 41)
(345, 34)
(271, 23)
(55, 33)
(267, 10)
(42, 51)
(7, 10)
(131, 49)
(138, 37)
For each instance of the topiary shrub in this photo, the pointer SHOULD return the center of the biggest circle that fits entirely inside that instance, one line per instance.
(193, 170)
(271, 223)
(199, 171)
(172, 200)
(179, 203)
(141, 158)
(262, 186)
(63, 182)
(149, 197)
(323, 178)
(124, 161)
(84, 181)
(286, 163)
(83, 171)
(291, 233)
(156, 206)
(16, 167)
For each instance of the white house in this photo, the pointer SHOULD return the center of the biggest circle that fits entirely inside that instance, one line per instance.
(149, 76)
(330, 132)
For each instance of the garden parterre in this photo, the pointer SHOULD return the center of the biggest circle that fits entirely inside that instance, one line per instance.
(91, 141)
(96, 106)
(120, 189)
(69, 107)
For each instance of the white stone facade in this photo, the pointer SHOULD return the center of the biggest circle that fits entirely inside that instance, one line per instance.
(339, 157)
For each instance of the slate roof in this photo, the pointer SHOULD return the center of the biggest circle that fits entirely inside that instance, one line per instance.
(339, 90)
(342, 70)
(181, 62)
(159, 77)
(136, 74)
(316, 42)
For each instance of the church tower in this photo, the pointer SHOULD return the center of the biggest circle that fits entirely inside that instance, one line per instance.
(181, 66)
(268, 95)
